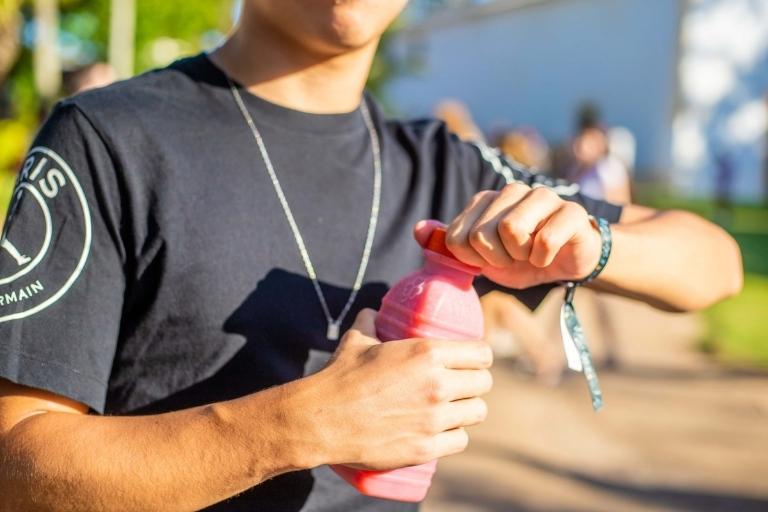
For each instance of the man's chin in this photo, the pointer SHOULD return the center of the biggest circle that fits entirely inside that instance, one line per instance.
(335, 43)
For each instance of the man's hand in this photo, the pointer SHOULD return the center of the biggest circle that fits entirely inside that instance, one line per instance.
(522, 237)
(389, 405)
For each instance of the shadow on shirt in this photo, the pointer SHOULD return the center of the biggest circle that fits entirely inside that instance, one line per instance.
(281, 322)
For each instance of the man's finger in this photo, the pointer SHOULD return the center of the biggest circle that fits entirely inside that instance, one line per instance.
(458, 231)
(559, 229)
(484, 235)
(450, 442)
(462, 384)
(516, 230)
(364, 324)
(464, 413)
(463, 355)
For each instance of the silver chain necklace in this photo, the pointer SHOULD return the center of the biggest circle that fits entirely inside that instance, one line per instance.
(334, 326)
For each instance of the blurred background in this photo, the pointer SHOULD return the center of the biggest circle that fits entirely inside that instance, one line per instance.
(662, 102)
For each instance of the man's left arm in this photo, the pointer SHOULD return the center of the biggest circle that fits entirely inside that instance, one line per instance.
(522, 237)
(673, 260)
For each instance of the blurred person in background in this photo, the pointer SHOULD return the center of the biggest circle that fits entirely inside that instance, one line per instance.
(506, 316)
(526, 146)
(92, 76)
(597, 170)
(725, 175)
(161, 314)
(623, 145)
(458, 119)
(601, 173)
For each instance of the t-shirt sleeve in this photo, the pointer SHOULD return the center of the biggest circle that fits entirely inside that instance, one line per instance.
(61, 264)
(493, 171)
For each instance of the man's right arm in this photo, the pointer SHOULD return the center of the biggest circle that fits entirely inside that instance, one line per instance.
(358, 410)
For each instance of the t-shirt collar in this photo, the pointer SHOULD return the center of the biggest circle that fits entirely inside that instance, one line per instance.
(269, 113)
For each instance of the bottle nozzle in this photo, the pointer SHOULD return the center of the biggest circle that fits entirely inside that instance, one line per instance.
(436, 242)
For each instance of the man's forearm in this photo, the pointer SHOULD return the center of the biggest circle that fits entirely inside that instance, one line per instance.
(181, 460)
(673, 260)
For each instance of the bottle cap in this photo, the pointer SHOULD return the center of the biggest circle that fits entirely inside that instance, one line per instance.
(436, 243)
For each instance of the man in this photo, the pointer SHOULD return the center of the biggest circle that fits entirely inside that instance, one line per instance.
(162, 218)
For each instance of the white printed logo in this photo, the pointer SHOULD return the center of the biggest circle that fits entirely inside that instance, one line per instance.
(42, 253)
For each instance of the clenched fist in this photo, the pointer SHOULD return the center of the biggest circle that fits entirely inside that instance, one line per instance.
(401, 403)
(522, 236)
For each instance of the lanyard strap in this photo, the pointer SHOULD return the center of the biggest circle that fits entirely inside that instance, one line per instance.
(574, 341)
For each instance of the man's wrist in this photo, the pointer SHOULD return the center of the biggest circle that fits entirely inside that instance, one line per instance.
(301, 432)
(272, 427)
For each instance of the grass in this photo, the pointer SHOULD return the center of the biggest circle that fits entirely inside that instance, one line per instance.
(754, 250)
(738, 328)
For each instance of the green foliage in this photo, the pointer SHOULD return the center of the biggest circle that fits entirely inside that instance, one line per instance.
(185, 21)
(743, 218)
(384, 66)
(737, 328)
(164, 31)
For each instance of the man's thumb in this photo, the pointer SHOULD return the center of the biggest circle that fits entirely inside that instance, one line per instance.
(365, 322)
(363, 330)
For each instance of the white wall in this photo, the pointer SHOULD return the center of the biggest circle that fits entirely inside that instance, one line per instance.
(536, 64)
(723, 108)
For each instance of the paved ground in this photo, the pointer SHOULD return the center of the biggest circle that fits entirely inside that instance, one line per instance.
(678, 432)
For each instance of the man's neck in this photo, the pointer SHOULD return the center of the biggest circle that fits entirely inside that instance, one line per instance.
(280, 70)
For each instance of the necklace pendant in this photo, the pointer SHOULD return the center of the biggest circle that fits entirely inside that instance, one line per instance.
(333, 331)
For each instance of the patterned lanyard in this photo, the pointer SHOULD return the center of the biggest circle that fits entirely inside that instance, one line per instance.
(574, 341)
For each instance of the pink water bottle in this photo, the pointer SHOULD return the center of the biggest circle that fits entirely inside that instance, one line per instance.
(438, 302)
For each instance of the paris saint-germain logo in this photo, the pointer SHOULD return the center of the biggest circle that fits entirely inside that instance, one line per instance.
(47, 236)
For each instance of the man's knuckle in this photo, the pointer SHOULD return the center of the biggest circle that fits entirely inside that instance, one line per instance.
(427, 351)
(543, 193)
(573, 208)
(455, 239)
(512, 226)
(547, 239)
(506, 225)
(477, 236)
(426, 449)
(513, 188)
(436, 391)
(354, 336)
(483, 195)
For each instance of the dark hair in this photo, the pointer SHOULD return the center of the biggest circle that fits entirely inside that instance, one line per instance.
(588, 117)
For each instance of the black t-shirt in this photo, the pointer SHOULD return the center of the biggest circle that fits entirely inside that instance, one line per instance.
(147, 266)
